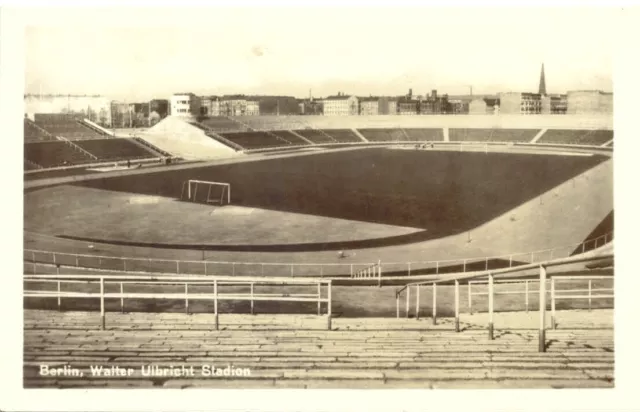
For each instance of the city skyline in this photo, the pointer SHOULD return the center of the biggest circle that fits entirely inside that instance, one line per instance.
(278, 52)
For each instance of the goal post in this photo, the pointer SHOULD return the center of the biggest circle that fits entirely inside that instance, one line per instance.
(202, 191)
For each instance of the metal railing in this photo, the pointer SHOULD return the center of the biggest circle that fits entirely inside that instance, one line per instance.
(215, 294)
(34, 257)
(571, 294)
(370, 272)
(77, 148)
(527, 291)
(508, 275)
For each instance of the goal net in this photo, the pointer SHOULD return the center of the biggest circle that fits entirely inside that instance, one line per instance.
(201, 191)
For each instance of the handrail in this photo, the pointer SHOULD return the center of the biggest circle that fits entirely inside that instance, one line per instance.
(69, 142)
(484, 273)
(352, 268)
(370, 272)
(31, 123)
(151, 146)
(215, 296)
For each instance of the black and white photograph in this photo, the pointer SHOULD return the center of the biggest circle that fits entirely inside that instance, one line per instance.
(318, 198)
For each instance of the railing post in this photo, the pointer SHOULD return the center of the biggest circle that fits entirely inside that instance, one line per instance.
(59, 298)
(435, 303)
(437, 266)
(54, 258)
(291, 270)
(464, 265)
(490, 306)
(77, 261)
(177, 267)
(469, 296)
(409, 269)
(351, 270)
(186, 298)
(252, 298)
(262, 269)
(457, 306)
(319, 297)
(329, 306)
(408, 297)
(124, 265)
(553, 302)
(397, 305)
(379, 274)
(589, 295)
(102, 322)
(33, 257)
(526, 296)
(121, 298)
(583, 243)
(510, 260)
(205, 268)
(543, 294)
(215, 303)
(417, 302)
(233, 268)
(486, 263)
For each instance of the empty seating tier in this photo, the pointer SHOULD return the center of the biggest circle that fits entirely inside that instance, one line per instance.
(428, 135)
(33, 133)
(384, 135)
(261, 140)
(586, 137)
(492, 135)
(296, 351)
(54, 153)
(316, 136)
(115, 149)
(343, 135)
(222, 124)
(329, 135)
(287, 135)
(71, 129)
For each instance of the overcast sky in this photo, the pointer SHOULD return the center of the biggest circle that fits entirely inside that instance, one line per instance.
(139, 54)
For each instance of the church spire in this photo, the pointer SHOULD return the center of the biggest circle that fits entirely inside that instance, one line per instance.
(542, 89)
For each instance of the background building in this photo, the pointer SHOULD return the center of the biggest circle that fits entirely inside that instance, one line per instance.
(340, 105)
(310, 107)
(520, 103)
(276, 105)
(369, 106)
(458, 106)
(239, 105)
(391, 107)
(554, 104)
(434, 104)
(408, 106)
(589, 101)
(185, 104)
(210, 106)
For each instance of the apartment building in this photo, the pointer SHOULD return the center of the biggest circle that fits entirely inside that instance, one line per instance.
(341, 105)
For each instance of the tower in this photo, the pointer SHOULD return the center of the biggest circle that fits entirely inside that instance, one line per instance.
(542, 89)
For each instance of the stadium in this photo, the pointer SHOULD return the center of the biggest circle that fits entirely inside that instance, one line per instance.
(285, 243)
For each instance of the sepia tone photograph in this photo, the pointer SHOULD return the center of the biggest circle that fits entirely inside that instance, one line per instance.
(353, 199)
